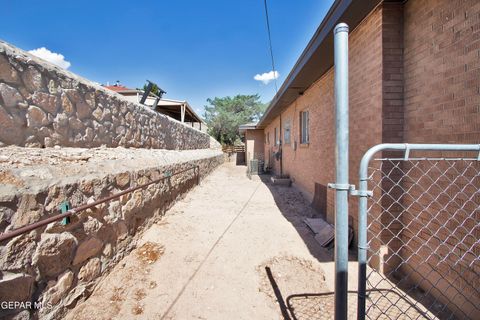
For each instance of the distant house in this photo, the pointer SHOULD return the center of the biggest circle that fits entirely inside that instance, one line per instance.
(254, 145)
(176, 109)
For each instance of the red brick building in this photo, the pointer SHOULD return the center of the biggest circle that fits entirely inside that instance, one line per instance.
(414, 77)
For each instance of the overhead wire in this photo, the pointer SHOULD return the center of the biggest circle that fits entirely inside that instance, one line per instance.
(270, 45)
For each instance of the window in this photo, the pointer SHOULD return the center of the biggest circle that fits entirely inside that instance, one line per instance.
(286, 132)
(276, 136)
(304, 127)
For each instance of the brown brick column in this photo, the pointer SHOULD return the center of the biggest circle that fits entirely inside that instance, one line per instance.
(392, 127)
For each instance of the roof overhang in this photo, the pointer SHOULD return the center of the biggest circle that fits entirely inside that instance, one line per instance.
(173, 109)
(249, 126)
(169, 106)
(317, 58)
(128, 92)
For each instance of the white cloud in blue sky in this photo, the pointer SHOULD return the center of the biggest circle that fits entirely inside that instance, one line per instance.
(52, 57)
(190, 60)
(266, 77)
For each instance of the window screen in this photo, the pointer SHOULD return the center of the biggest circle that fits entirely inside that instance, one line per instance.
(286, 132)
(304, 127)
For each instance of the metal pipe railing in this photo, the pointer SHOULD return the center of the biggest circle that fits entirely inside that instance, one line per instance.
(36, 225)
(363, 193)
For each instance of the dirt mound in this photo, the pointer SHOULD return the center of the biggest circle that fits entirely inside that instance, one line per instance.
(288, 275)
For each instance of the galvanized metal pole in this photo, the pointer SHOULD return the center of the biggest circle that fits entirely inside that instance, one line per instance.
(362, 240)
(341, 159)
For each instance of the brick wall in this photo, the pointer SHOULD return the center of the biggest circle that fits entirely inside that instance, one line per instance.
(392, 132)
(442, 105)
(254, 144)
(441, 61)
(414, 77)
(314, 163)
(270, 146)
(301, 161)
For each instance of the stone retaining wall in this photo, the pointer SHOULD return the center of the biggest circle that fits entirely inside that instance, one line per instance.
(59, 265)
(42, 105)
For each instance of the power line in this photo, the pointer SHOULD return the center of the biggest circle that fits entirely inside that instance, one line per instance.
(270, 45)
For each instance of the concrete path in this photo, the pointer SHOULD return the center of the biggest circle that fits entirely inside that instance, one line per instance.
(231, 249)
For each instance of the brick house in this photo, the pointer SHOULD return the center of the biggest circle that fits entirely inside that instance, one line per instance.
(414, 77)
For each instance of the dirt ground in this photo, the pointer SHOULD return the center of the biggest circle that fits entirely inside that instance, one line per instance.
(233, 248)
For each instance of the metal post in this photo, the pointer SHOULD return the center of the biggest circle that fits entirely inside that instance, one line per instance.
(362, 241)
(147, 92)
(341, 159)
(182, 112)
(155, 103)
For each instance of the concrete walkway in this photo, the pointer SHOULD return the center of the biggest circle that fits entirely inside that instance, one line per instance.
(229, 250)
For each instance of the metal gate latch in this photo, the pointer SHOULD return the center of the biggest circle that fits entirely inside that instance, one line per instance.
(339, 186)
(361, 193)
(351, 189)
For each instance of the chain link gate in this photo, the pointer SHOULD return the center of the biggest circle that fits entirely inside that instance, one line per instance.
(419, 233)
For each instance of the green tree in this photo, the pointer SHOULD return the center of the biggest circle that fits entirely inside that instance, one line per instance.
(155, 89)
(224, 115)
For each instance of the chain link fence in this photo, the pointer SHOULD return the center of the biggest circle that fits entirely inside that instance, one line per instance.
(423, 239)
(320, 306)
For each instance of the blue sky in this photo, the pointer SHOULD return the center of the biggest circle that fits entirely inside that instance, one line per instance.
(193, 49)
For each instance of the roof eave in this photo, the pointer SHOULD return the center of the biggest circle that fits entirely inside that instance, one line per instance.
(320, 49)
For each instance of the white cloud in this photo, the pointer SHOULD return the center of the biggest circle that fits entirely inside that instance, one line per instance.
(52, 57)
(267, 76)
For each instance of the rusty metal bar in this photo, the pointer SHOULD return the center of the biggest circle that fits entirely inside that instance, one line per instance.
(30, 227)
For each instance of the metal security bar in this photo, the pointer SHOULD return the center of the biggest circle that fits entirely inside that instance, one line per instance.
(419, 232)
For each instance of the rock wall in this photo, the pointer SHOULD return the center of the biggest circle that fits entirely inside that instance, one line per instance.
(58, 265)
(42, 105)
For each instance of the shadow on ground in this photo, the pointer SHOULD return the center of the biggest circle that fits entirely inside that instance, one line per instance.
(320, 306)
(294, 207)
(398, 303)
